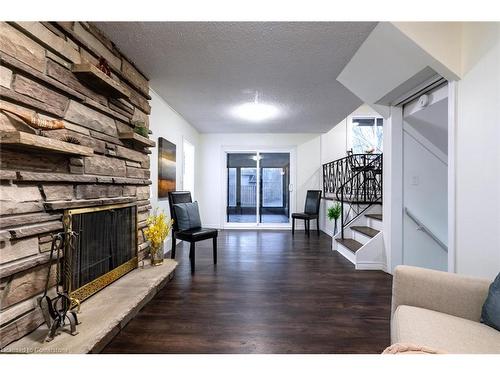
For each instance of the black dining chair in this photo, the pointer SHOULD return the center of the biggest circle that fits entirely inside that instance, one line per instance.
(190, 235)
(311, 211)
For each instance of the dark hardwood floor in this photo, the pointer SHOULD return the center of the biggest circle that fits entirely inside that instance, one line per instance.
(269, 293)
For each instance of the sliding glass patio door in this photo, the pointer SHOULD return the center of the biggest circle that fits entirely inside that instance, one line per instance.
(258, 188)
(274, 182)
(242, 188)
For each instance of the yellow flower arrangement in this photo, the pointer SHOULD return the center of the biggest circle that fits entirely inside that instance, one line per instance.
(157, 230)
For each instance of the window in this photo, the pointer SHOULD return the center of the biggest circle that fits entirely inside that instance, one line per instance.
(188, 167)
(272, 187)
(367, 135)
(248, 187)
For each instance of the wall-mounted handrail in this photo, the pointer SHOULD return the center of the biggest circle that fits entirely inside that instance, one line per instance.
(426, 230)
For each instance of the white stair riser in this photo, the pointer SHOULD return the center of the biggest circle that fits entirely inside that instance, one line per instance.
(360, 237)
(375, 224)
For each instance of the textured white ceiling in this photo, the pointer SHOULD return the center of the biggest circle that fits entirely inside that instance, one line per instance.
(203, 69)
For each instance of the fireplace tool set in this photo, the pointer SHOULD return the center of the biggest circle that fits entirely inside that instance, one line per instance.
(58, 312)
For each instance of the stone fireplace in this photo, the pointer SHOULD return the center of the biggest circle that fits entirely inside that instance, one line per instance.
(92, 170)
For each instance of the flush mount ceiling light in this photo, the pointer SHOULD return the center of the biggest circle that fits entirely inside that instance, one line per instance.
(255, 111)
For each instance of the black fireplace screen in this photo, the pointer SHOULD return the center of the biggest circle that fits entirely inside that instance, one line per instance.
(105, 249)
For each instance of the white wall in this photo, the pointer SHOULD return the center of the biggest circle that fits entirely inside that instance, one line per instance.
(478, 152)
(334, 143)
(167, 123)
(211, 167)
(333, 146)
(432, 36)
(392, 209)
(337, 141)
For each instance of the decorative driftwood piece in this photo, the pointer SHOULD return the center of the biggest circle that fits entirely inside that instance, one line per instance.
(34, 120)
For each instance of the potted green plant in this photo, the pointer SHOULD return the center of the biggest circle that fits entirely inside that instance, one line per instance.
(333, 213)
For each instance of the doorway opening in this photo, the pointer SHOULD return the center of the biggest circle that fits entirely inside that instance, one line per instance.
(425, 180)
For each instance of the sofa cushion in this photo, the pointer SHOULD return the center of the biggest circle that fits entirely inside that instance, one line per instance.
(443, 332)
(187, 215)
(490, 314)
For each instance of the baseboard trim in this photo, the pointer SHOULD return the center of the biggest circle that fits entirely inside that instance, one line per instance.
(371, 266)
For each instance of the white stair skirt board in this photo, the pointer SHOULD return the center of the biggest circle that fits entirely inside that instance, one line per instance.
(371, 266)
(371, 256)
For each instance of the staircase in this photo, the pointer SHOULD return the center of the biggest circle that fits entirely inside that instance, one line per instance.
(356, 182)
(363, 243)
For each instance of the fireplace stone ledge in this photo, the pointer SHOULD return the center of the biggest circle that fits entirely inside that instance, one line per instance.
(80, 203)
(103, 315)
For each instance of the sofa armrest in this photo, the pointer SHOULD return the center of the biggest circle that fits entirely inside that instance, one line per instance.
(445, 292)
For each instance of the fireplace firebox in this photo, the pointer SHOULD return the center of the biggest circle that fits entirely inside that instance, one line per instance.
(105, 248)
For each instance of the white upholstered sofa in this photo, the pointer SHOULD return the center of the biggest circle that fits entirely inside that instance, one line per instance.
(441, 311)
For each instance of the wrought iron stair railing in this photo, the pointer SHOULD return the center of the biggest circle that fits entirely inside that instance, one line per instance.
(356, 182)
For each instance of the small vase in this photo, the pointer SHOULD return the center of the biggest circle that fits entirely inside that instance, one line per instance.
(156, 255)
